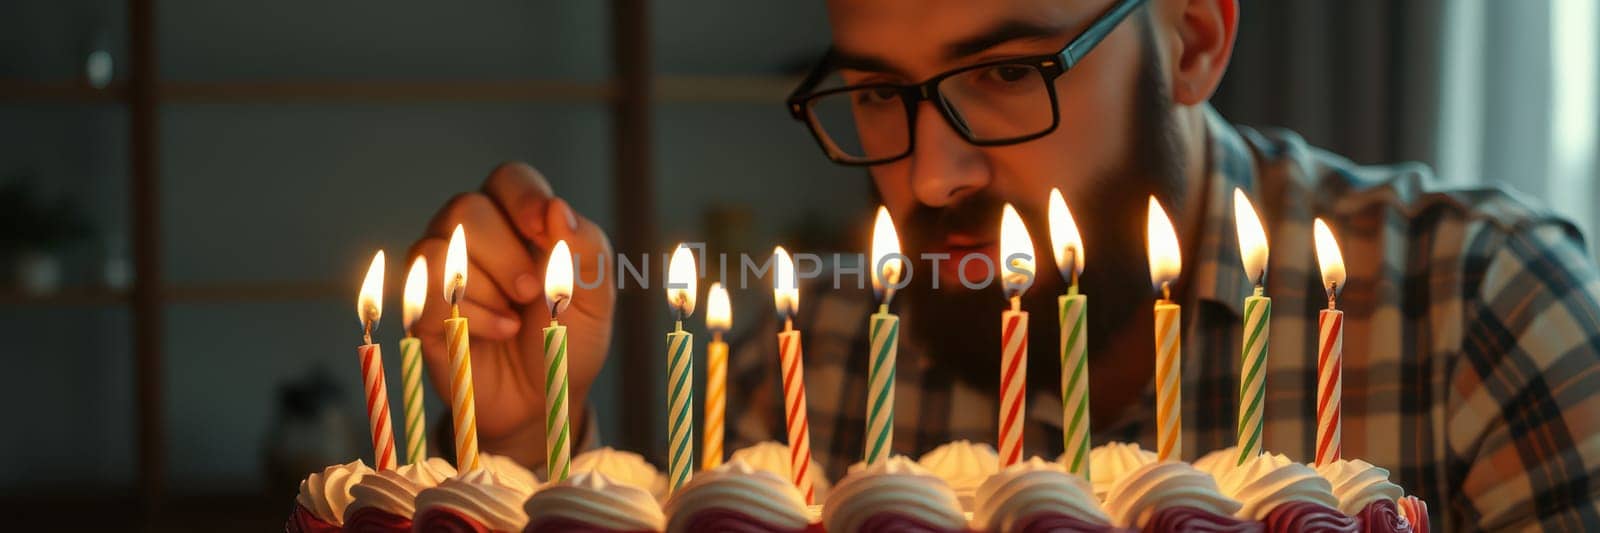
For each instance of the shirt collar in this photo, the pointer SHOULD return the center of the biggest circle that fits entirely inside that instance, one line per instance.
(1217, 275)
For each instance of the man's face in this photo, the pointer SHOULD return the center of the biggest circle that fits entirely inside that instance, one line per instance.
(947, 193)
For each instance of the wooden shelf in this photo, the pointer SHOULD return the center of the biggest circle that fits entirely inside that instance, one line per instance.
(183, 293)
(236, 92)
(724, 89)
(22, 91)
(67, 296)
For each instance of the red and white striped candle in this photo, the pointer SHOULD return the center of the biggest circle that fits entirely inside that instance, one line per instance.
(1330, 348)
(1166, 263)
(369, 307)
(1016, 275)
(786, 296)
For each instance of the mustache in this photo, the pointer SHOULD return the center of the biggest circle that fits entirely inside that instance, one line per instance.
(977, 215)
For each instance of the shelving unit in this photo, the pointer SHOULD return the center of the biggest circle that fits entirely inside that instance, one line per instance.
(630, 93)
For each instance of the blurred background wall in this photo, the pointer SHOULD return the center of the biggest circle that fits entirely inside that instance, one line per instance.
(293, 138)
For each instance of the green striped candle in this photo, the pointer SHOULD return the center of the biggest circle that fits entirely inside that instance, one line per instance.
(680, 401)
(1253, 383)
(557, 423)
(885, 334)
(1075, 381)
(416, 425)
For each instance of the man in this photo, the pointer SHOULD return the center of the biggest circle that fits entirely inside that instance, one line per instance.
(1472, 329)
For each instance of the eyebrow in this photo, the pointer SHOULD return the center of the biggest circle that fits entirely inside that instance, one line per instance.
(1004, 32)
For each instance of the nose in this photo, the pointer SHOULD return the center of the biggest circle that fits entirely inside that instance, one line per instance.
(944, 167)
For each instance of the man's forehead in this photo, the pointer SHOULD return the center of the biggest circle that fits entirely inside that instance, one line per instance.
(917, 34)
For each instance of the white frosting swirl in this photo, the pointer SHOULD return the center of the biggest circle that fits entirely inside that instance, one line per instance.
(592, 498)
(1264, 482)
(509, 468)
(962, 465)
(395, 491)
(1156, 486)
(1031, 487)
(1218, 463)
(1110, 461)
(327, 493)
(896, 485)
(1358, 483)
(486, 495)
(773, 456)
(736, 486)
(623, 468)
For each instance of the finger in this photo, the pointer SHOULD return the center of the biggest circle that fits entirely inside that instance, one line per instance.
(525, 196)
(488, 309)
(588, 242)
(492, 244)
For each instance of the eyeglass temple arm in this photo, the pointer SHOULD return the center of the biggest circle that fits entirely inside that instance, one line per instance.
(810, 83)
(1097, 32)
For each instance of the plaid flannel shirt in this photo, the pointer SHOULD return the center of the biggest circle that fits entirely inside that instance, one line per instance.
(1472, 332)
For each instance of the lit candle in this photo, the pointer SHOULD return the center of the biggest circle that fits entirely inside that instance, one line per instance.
(680, 368)
(885, 339)
(719, 319)
(463, 410)
(557, 424)
(416, 425)
(786, 296)
(1016, 252)
(369, 306)
(1330, 343)
(1166, 264)
(1073, 307)
(1257, 316)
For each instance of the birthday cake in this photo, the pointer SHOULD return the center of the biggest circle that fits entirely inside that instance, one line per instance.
(957, 487)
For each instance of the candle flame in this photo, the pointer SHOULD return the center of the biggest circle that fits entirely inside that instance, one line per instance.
(1252, 238)
(1064, 238)
(719, 313)
(1161, 241)
(885, 243)
(416, 292)
(785, 287)
(558, 278)
(1016, 274)
(681, 289)
(1328, 257)
(455, 266)
(369, 305)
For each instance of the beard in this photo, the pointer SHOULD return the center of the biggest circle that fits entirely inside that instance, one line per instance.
(959, 328)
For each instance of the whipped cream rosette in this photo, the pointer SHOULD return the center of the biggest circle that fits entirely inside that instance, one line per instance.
(894, 495)
(508, 468)
(1036, 495)
(623, 468)
(1365, 492)
(737, 497)
(773, 456)
(591, 501)
(386, 501)
(1285, 495)
(324, 496)
(963, 465)
(486, 499)
(1218, 463)
(1171, 496)
(1110, 461)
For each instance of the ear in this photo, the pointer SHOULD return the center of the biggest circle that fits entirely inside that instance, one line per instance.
(1205, 30)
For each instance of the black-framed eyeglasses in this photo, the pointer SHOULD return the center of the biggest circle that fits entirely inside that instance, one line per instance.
(990, 104)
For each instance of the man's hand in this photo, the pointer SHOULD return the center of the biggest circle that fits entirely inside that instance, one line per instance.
(511, 224)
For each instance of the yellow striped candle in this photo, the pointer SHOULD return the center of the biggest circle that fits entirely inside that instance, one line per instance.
(1073, 314)
(680, 370)
(415, 419)
(1166, 264)
(719, 318)
(557, 423)
(786, 296)
(1257, 317)
(369, 307)
(1330, 343)
(463, 409)
(884, 339)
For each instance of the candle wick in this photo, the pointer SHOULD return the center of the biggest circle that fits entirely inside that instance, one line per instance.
(366, 331)
(788, 323)
(1166, 290)
(455, 311)
(1016, 302)
(678, 325)
(1333, 290)
(716, 335)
